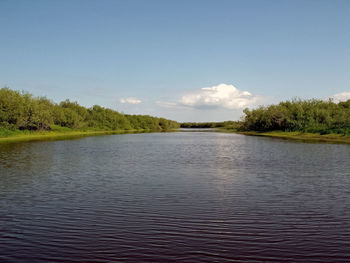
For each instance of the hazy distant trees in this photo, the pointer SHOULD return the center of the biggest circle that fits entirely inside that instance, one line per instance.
(21, 110)
(208, 124)
(223, 124)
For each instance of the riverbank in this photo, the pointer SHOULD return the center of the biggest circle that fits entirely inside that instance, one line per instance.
(21, 136)
(307, 137)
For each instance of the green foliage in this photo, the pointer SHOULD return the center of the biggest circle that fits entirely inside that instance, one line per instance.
(22, 111)
(58, 128)
(314, 116)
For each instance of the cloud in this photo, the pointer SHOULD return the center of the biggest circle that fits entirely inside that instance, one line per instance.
(222, 95)
(167, 104)
(344, 96)
(130, 100)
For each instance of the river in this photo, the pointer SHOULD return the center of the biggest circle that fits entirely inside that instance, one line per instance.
(174, 197)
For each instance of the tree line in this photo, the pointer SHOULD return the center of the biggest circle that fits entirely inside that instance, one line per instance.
(314, 116)
(23, 111)
(223, 124)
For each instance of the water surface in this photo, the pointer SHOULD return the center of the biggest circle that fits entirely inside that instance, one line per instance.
(174, 197)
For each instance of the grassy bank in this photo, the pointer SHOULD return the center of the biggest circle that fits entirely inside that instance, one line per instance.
(301, 136)
(7, 136)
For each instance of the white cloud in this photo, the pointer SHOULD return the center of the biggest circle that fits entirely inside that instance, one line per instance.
(222, 95)
(344, 96)
(167, 104)
(130, 100)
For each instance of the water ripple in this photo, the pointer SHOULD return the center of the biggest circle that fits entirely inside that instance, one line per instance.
(179, 197)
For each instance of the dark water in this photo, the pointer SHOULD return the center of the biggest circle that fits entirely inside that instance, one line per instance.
(174, 197)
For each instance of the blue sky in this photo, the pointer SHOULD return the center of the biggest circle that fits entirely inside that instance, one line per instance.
(155, 57)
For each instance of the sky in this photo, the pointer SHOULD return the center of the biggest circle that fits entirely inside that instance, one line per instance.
(184, 60)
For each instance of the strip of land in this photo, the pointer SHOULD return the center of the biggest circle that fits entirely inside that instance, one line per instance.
(301, 136)
(22, 136)
(53, 135)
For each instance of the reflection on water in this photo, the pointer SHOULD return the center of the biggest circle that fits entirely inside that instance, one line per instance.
(174, 197)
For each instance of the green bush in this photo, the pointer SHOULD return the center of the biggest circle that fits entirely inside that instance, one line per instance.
(315, 116)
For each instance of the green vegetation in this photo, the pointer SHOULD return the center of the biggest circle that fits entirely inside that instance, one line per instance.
(307, 120)
(23, 115)
(307, 116)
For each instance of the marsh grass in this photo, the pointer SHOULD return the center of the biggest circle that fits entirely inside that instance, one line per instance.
(7, 136)
(301, 136)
